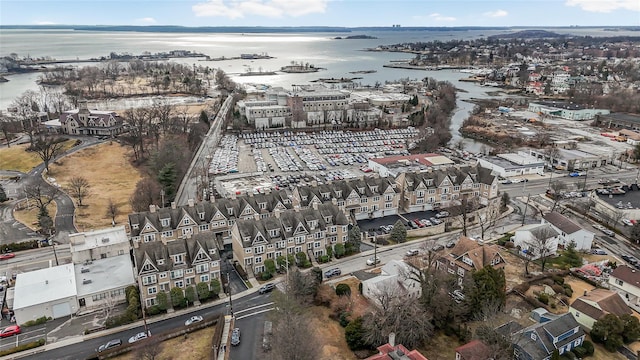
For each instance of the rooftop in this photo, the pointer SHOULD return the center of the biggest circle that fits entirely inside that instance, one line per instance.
(44, 285)
(97, 238)
(104, 274)
(430, 159)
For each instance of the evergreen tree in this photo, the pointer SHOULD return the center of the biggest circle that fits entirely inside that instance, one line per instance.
(163, 303)
(215, 287)
(572, 257)
(399, 232)
(167, 178)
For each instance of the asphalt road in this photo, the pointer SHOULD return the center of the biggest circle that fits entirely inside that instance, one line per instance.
(87, 348)
(29, 260)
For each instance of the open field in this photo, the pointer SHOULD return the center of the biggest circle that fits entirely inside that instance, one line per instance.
(17, 158)
(330, 334)
(194, 346)
(110, 175)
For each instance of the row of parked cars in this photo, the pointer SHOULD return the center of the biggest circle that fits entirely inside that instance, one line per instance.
(225, 158)
(608, 232)
(432, 221)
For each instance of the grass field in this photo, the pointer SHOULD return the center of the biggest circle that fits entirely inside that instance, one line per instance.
(195, 346)
(16, 158)
(110, 175)
(29, 215)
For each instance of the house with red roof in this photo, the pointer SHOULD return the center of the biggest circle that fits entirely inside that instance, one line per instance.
(474, 350)
(391, 351)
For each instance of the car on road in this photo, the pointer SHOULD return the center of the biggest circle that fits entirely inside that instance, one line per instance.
(505, 182)
(7, 256)
(599, 227)
(332, 272)
(437, 247)
(235, 337)
(192, 320)
(412, 252)
(139, 336)
(267, 288)
(372, 261)
(598, 252)
(609, 232)
(627, 222)
(515, 181)
(110, 345)
(10, 331)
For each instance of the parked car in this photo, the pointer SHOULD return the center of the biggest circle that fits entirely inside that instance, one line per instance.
(426, 222)
(457, 295)
(598, 252)
(435, 221)
(139, 336)
(417, 222)
(332, 272)
(267, 288)
(7, 256)
(437, 247)
(442, 214)
(505, 182)
(412, 225)
(412, 252)
(451, 244)
(10, 331)
(192, 320)
(609, 232)
(235, 337)
(372, 261)
(627, 222)
(110, 345)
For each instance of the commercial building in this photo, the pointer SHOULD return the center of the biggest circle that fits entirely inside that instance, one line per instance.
(618, 120)
(99, 244)
(394, 165)
(565, 110)
(566, 159)
(101, 283)
(512, 165)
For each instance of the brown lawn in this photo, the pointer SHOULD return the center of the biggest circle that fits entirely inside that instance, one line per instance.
(110, 175)
(330, 334)
(195, 346)
(441, 347)
(28, 215)
(17, 158)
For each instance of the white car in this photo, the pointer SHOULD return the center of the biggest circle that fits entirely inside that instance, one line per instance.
(139, 336)
(412, 252)
(371, 261)
(627, 222)
(193, 320)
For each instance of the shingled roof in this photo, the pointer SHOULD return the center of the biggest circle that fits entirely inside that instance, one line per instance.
(600, 302)
(561, 222)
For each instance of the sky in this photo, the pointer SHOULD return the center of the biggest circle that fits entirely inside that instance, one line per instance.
(348, 13)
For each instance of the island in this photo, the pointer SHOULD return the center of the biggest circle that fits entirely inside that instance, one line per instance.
(354, 37)
(296, 68)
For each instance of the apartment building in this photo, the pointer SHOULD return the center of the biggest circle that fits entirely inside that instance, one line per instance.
(308, 230)
(178, 263)
(363, 198)
(435, 189)
(216, 218)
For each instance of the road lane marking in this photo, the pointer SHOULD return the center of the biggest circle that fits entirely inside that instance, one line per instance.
(253, 308)
(255, 313)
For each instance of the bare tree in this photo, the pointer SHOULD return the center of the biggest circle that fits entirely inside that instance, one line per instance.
(139, 120)
(615, 216)
(147, 192)
(541, 243)
(552, 153)
(498, 342)
(112, 211)
(557, 187)
(292, 336)
(488, 217)
(463, 210)
(26, 111)
(79, 188)
(149, 349)
(42, 195)
(48, 148)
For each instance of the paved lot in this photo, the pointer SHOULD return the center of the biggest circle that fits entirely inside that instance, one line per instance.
(622, 201)
(374, 224)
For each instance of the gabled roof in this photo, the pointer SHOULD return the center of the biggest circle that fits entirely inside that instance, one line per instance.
(599, 302)
(627, 274)
(474, 350)
(543, 346)
(457, 175)
(561, 222)
(480, 255)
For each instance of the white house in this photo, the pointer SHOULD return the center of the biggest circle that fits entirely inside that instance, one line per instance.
(569, 231)
(597, 303)
(626, 281)
(394, 278)
(49, 292)
(99, 244)
(536, 239)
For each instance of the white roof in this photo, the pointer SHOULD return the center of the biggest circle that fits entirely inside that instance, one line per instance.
(44, 286)
(97, 238)
(105, 274)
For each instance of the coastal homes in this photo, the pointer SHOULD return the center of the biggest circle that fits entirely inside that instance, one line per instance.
(569, 231)
(394, 278)
(179, 263)
(437, 189)
(597, 303)
(536, 240)
(468, 256)
(308, 230)
(364, 198)
(83, 121)
(626, 281)
(216, 218)
(539, 341)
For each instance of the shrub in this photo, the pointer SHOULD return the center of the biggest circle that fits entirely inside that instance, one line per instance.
(579, 351)
(323, 259)
(153, 310)
(558, 289)
(557, 279)
(344, 319)
(354, 333)
(301, 257)
(19, 246)
(339, 250)
(509, 245)
(543, 298)
(265, 275)
(23, 347)
(307, 264)
(568, 291)
(343, 289)
(38, 321)
(588, 346)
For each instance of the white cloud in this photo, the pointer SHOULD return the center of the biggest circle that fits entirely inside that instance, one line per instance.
(607, 6)
(45, 23)
(440, 17)
(146, 20)
(496, 14)
(234, 9)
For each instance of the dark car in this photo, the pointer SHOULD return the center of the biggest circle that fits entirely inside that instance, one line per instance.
(437, 247)
(332, 272)
(267, 288)
(110, 345)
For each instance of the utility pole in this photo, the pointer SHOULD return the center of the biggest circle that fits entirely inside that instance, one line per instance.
(375, 249)
(230, 301)
(584, 185)
(53, 246)
(524, 213)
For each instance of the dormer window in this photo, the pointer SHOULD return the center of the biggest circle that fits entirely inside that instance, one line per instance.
(230, 211)
(160, 261)
(274, 232)
(288, 228)
(246, 238)
(325, 196)
(361, 190)
(178, 259)
(165, 222)
(327, 219)
(313, 223)
(186, 221)
(201, 215)
(304, 197)
(135, 226)
(429, 182)
(263, 206)
(338, 193)
(374, 188)
(248, 211)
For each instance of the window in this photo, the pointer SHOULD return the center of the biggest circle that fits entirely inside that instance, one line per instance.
(160, 261)
(258, 259)
(456, 188)
(619, 282)
(189, 271)
(186, 221)
(259, 249)
(98, 297)
(176, 274)
(202, 268)
(163, 275)
(420, 193)
(201, 215)
(148, 280)
(316, 244)
(376, 198)
(461, 271)
(152, 290)
(148, 237)
(178, 259)
(116, 293)
(179, 284)
(204, 227)
(204, 278)
(168, 233)
(165, 222)
(187, 231)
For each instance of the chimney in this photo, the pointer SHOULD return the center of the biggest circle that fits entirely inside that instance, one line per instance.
(190, 202)
(392, 339)
(276, 213)
(173, 204)
(315, 205)
(152, 208)
(212, 198)
(585, 293)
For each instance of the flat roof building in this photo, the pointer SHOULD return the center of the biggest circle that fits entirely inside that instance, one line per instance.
(394, 165)
(512, 164)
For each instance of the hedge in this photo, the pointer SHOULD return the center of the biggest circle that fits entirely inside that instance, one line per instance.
(19, 246)
(23, 347)
(38, 321)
